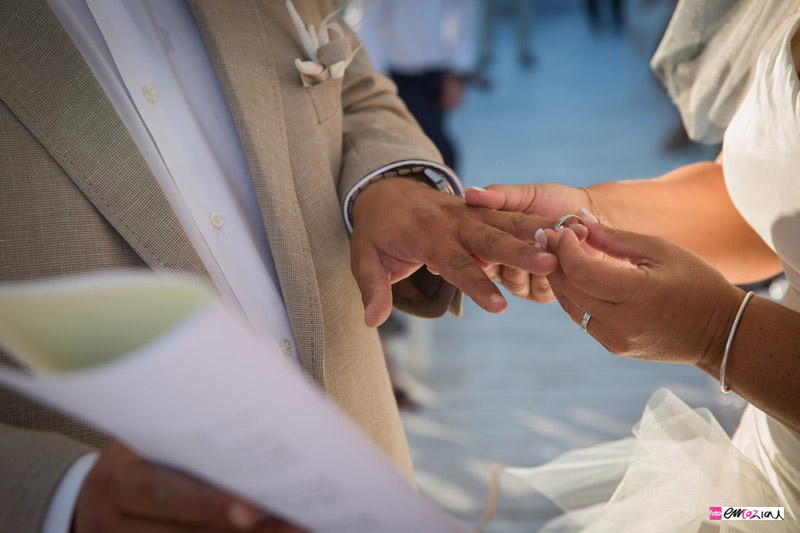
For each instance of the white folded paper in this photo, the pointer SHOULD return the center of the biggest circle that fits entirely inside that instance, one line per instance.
(163, 366)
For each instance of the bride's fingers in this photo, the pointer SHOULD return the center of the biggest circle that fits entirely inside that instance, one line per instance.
(553, 237)
(594, 276)
(584, 301)
(604, 322)
(503, 197)
(633, 247)
(540, 290)
(524, 285)
(575, 312)
(594, 327)
(515, 280)
(557, 286)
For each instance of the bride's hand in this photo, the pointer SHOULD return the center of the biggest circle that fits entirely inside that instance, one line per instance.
(548, 200)
(666, 305)
(523, 284)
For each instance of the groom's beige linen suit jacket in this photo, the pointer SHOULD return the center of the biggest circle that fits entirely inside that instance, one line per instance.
(76, 196)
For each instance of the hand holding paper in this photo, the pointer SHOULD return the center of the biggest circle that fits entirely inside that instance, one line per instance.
(125, 492)
(166, 368)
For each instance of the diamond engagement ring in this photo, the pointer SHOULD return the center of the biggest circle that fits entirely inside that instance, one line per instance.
(585, 322)
(562, 221)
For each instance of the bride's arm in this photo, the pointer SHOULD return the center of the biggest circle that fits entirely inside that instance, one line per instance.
(691, 207)
(668, 305)
(764, 362)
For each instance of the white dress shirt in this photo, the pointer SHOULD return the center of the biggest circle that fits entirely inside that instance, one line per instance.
(150, 59)
(415, 36)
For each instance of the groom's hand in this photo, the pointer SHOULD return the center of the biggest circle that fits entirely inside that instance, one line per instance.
(125, 493)
(545, 199)
(400, 224)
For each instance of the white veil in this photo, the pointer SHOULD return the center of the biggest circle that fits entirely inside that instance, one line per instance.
(708, 54)
(679, 463)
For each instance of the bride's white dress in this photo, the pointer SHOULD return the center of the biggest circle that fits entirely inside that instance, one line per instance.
(680, 461)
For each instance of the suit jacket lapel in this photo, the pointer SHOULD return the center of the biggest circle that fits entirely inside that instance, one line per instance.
(46, 83)
(235, 36)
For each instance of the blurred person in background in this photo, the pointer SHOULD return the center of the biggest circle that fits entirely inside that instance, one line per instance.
(522, 12)
(647, 23)
(617, 12)
(427, 47)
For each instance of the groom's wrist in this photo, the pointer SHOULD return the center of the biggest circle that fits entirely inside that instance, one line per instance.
(433, 174)
(388, 193)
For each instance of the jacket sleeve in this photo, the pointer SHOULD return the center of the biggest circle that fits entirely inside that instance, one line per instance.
(379, 131)
(33, 464)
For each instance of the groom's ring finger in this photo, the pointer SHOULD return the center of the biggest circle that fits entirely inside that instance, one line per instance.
(495, 246)
(519, 225)
(459, 268)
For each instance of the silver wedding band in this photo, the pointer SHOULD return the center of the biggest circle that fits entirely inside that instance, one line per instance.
(585, 321)
(562, 221)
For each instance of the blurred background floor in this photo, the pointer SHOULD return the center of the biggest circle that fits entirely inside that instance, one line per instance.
(525, 386)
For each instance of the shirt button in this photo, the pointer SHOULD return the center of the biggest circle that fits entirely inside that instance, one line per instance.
(216, 220)
(286, 346)
(150, 93)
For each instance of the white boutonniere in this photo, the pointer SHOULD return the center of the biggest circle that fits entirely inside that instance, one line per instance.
(327, 58)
